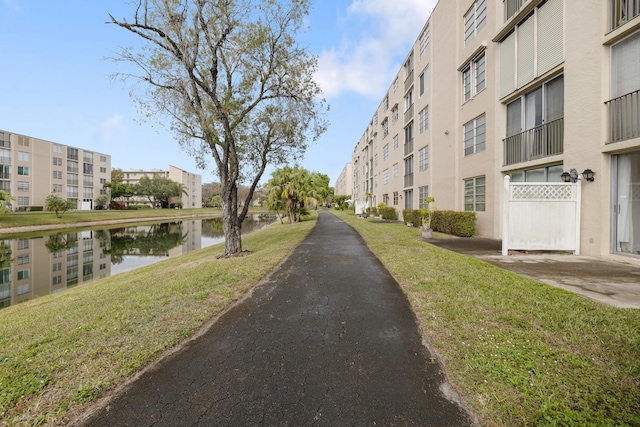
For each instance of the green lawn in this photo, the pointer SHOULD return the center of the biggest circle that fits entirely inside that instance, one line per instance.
(519, 352)
(71, 218)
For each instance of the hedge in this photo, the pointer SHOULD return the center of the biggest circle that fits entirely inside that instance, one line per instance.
(461, 224)
(388, 213)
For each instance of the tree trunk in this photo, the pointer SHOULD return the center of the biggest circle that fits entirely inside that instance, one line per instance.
(231, 226)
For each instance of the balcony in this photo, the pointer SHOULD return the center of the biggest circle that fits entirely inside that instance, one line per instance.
(408, 81)
(408, 180)
(623, 11)
(511, 7)
(408, 147)
(408, 115)
(624, 117)
(541, 141)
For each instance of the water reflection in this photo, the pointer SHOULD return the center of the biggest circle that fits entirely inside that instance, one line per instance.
(38, 266)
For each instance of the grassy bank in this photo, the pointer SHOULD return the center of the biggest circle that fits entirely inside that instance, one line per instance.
(60, 351)
(520, 352)
(71, 218)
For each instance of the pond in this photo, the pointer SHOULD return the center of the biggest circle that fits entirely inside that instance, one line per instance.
(37, 266)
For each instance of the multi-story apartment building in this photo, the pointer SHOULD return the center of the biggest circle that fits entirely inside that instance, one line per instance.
(526, 88)
(191, 198)
(32, 168)
(344, 183)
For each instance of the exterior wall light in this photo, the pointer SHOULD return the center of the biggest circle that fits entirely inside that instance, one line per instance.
(588, 174)
(571, 176)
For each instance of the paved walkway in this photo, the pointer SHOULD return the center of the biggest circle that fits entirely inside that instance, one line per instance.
(329, 340)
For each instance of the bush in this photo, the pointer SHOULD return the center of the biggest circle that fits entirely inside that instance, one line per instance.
(388, 213)
(117, 206)
(36, 208)
(461, 224)
(412, 216)
(138, 207)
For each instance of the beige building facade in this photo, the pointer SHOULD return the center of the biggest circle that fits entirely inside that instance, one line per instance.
(525, 88)
(191, 198)
(344, 183)
(32, 168)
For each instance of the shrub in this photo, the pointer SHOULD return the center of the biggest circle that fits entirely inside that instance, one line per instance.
(117, 206)
(138, 207)
(461, 224)
(37, 208)
(388, 213)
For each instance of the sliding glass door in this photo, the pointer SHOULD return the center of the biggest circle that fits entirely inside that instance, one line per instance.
(626, 203)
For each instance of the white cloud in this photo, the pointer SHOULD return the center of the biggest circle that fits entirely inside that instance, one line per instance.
(110, 126)
(366, 62)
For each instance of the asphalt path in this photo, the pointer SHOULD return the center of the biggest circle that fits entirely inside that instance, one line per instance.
(328, 339)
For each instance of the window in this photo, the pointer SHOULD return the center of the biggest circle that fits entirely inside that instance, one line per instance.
(423, 81)
(72, 191)
(23, 171)
(424, 119)
(23, 244)
(103, 266)
(395, 142)
(23, 140)
(423, 193)
(625, 68)
(423, 158)
(474, 194)
(87, 168)
(475, 20)
(72, 153)
(23, 186)
(23, 201)
(57, 148)
(57, 161)
(23, 274)
(622, 11)
(395, 85)
(57, 188)
(87, 193)
(395, 170)
(23, 156)
(385, 103)
(103, 158)
(87, 157)
(72, 166)
(87, 180)
(534, 47)
(56, 280)
(385, 152)
(103, 170)
(5, 172)
(23, 259)
(544, 174)
(408, 67)
(103, 180)
(408, 199)
(473, 77)
(475, 135)
(57, 266)
(385, 127)
(72, 178)
(395, 198)
(394, 114)
(385, 199)
(385, 176)
(375, 160)
(424, 41)
(23, 289)
(57, 174)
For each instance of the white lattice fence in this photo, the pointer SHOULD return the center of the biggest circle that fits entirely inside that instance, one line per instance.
(541, 216)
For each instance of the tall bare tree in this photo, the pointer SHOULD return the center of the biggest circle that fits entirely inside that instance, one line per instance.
(233, 81)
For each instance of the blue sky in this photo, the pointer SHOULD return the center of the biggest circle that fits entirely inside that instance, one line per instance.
(55, 79)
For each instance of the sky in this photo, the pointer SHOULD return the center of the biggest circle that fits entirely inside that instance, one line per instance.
(56, 77)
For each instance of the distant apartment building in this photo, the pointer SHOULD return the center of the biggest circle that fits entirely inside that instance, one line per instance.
(344, 183)
(191, 198)
(32, 168)
(529, 89)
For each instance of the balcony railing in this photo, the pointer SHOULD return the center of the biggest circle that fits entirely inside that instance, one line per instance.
(408, 180)
(624, 117)
(408, 115)
(408, 81)
(408, 147)
(540, 141)
(623, 11)
(511, 7)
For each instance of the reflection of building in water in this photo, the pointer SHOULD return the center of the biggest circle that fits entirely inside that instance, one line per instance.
(193, 240)
(50, 264)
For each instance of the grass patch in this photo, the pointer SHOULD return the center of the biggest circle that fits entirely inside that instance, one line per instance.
(520, 352)
(72, 218)
(60, 351)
